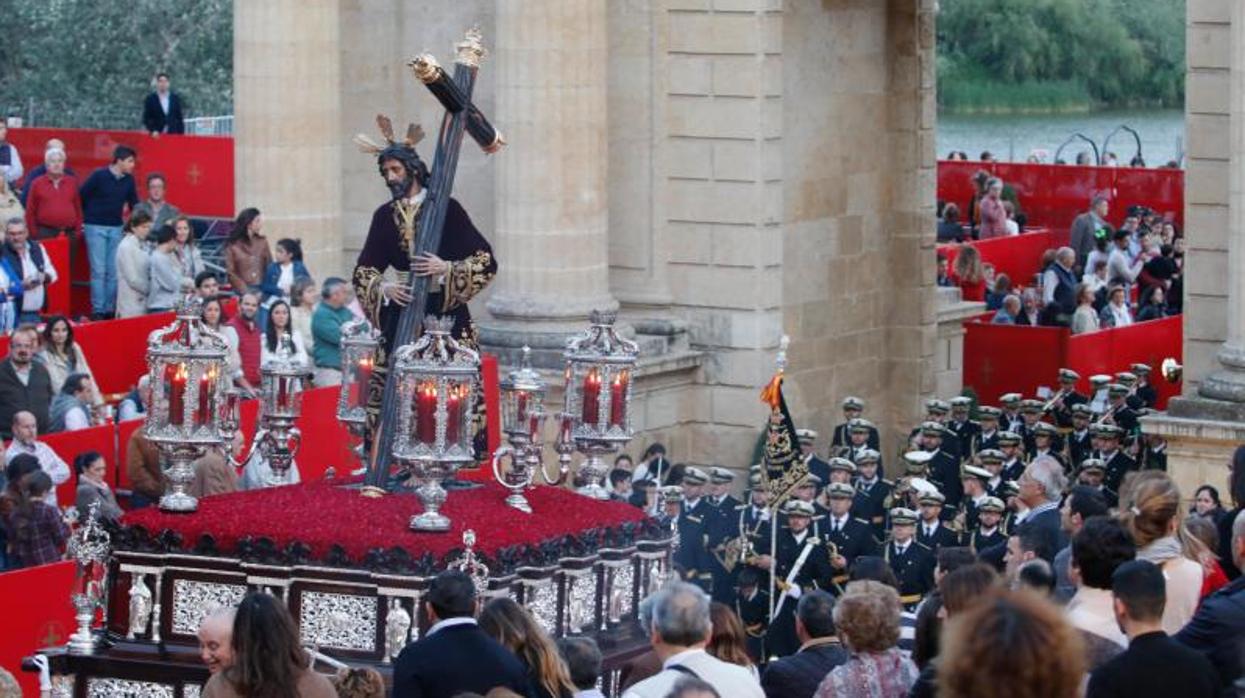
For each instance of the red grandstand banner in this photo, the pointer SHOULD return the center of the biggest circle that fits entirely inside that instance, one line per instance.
(1001, 359)
(199, 169)
(37, 614)
(1018, 256)
(1053, 195)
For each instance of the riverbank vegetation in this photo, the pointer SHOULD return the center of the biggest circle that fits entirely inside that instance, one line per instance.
(1060, 55)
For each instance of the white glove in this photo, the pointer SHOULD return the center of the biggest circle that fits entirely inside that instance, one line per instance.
(45, 675)
(795, 592)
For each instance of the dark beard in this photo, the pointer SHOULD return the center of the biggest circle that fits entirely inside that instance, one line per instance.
(399, 190)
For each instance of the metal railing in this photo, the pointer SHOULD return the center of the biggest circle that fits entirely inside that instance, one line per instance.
(210, 126)
(34, 113)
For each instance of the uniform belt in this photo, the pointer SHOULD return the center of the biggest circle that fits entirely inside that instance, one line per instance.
(910, 599)
(841, 579)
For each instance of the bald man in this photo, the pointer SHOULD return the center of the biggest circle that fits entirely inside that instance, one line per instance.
(216, 639)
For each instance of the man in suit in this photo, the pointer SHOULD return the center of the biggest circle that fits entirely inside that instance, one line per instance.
(1217, 630)
(987, 435)
(851, 537)
(1085, 228)
(679, 633)
(808, 452)
(872, 493)
(799, 675)
(1041, 488)
(1154, 664)
(912, 562)
(965, 429)
(1066, 398)
(25, 385)
(163, 109)
(853, 408)
(455, 656)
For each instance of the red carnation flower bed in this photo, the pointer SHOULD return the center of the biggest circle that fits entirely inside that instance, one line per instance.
(321, 515)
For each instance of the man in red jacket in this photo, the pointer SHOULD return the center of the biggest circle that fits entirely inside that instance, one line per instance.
(53, 206)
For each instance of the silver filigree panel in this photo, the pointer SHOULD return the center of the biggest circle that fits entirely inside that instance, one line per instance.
(621, 596)
(121, 688)
(542, 601)
(340, 621)
(194, 600)
(191, 690)
(581, 610)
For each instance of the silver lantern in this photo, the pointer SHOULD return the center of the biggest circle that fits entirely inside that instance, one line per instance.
(522, 420)
(282, 380)
(186, 369)
(359, 345)
(437, 393)
(600, 368)
(89, 547)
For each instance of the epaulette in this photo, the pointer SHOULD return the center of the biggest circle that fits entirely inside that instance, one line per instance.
(919, 544)
(741, 507)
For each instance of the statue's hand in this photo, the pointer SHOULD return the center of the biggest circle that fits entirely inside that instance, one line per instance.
(429, 264)
(396, 293)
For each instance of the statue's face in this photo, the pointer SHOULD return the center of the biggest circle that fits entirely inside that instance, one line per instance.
(399, 179)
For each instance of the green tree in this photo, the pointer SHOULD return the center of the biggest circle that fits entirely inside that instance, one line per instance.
(90, 63)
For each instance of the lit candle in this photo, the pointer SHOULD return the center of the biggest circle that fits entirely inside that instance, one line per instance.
(177, 394)
(592, 396)
(454, 410)
(426, 414)
(520, 412)
(568, 422)
(283, 393)
(207, 385)
(362, 381)
(618, 401)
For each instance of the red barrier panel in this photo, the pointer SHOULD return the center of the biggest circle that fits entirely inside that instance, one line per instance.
(69, 444)
(1019, 256)
(199, 169)
(117, 349)
(57, 250)
(1001, 359)
(1053, 195)
(37, 614)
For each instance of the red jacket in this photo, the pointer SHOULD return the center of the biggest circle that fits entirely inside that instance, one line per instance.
(54, 205)
(250, 343)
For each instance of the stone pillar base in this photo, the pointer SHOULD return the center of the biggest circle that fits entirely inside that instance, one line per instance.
(1201, 435)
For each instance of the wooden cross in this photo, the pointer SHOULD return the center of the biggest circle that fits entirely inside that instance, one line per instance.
(460, 114)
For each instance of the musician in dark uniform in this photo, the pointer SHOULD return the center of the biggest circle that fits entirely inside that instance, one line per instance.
(461, 268)
(976, 490)
(987, 435)
(1010, 419)
(962, 426)
(853, 408)
(695, 503)
(912, 563)
(851, 536)
(992, 462)
(1128, 379)
(1030, 415)
(720, 481)
(1145, 390)
(723, 527)
(859, 433)
(1065, 398)
(1116, 462)
(1092, 474)
(793, 575)
(937, 411)
(944, 467)
(1046, 442)
(1013, 463)
(808, 451)
(752, 606)
(1009, 492)
(1153, 454)
(1098, 400)
(807, 491)
(841, 470)
(691, 554)
(988, 532)
(1079, 441)
(931, 530)
(872, 492)
(1118, 412)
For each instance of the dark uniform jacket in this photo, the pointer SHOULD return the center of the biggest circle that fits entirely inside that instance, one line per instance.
(1063, 413)
(914, 569)
(691, 559)
(1012, 470)
(1118, 466)
(982, 441)
(853, 540)
(842, 437)
(967, 432)
(942, 536)
(979, 541)
(1079, 448)
(819, 467)
(944, 472)
(870, 503)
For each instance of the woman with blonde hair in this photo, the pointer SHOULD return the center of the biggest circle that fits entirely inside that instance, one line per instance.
(1150, 510)
(515, 628)
(867, 620)
(729, 642)
(969, 275)
(1011, 644)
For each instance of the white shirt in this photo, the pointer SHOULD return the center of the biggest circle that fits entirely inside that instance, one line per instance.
(1121, 315)
(901, 548)
(286, 279)
(164, 106)
(730, 680)
(13, 171)
(838, 523)
(449, 623)
(76, 419)
(48, 461)
(32, 300)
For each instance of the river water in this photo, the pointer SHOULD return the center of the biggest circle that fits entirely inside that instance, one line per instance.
(1013, 137)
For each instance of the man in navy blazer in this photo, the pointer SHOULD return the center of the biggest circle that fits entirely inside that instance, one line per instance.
(162, 110)
(455, 656)
(1041, 489)
(799, 675)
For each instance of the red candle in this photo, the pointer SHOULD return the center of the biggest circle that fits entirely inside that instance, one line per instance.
(362, 381)
(454, 414)
(520, 412)
(207, 385)
(568, 422)
(283, 396)
(618, 395)
(591, 396)
(177, 394)
(426, 414)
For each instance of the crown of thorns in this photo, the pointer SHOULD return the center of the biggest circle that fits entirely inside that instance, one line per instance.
(414, 134)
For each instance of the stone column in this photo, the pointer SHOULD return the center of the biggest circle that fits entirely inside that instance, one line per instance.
(287, 125)
(1228, 382)
(550, 198)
